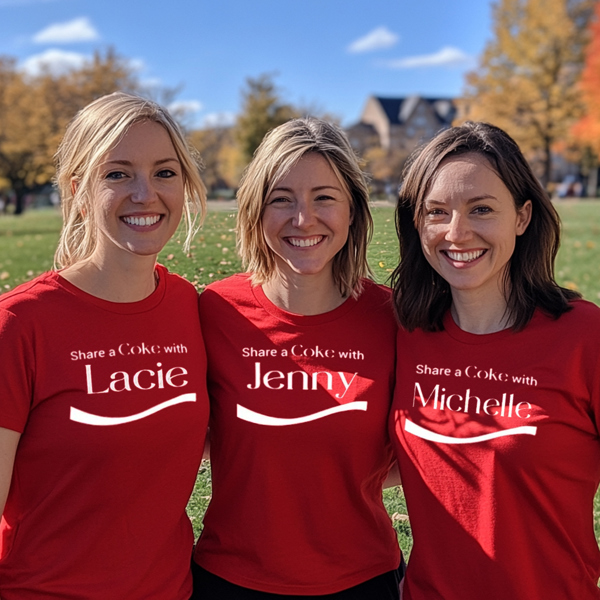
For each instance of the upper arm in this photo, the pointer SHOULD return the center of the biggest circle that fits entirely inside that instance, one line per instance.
(9, 440)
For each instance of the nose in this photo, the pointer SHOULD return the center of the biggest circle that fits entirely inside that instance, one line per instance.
(142, 190)
(304, 215)
(459, 228)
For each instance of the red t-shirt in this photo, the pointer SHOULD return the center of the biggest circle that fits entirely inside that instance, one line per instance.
(111, 402)
(497, 440)
(299, 447)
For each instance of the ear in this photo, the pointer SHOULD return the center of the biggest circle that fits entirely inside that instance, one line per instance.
(524, 217)
(74, 185)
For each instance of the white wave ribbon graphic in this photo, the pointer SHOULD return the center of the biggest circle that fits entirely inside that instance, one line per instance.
(245, 414)
(80, 416)
(431, 436)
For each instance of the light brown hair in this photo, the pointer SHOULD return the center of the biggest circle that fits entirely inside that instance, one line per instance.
(279, 151)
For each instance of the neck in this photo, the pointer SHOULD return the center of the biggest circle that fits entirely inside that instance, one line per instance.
(303, 294)
(130, 282)
(474, 313)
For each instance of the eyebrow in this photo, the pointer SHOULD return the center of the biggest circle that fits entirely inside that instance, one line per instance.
(317, 188)
(117, 161)
(469, 201)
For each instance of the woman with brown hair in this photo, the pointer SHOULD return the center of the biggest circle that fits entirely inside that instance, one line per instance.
(497, 402)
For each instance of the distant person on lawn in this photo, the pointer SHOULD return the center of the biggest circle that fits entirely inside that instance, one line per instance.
(103, 405)
(497, 406)
(301, 355)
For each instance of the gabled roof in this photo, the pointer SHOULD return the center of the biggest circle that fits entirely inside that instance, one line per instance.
(399, 110)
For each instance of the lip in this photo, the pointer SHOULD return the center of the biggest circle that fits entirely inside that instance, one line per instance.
(464, 258)
(304, 242)
(142, 221)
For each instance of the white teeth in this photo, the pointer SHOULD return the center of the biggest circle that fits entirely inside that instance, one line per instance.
(464, 256)
(142, 221)
(304, 242)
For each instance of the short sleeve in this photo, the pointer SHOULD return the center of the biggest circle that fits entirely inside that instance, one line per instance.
(16, 380)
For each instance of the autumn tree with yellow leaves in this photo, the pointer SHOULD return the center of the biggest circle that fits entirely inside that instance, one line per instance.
(527, 79)
(262, 110)
(35, 110)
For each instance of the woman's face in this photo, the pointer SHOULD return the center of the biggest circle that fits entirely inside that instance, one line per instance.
(306, 218)
(469, 225)
(138, 194)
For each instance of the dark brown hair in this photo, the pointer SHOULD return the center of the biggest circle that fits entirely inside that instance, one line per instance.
(421, 296)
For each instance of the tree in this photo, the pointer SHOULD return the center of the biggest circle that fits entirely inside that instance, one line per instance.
(35, 110)
(587, 129)
(219, 152)
(262, 110)
(526, 82)
(385, 167)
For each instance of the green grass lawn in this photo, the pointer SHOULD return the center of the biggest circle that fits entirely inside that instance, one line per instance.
(27, 246)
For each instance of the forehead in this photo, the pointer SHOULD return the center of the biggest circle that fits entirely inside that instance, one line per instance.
(464, 174)
(143, 138)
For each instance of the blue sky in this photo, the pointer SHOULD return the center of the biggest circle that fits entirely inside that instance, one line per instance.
(326, 54)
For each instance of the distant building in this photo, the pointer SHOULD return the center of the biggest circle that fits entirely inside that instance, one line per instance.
(400, 123)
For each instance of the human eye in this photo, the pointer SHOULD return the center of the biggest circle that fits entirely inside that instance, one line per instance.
(166, 173)
(325, 198)
(434, 211)
(278, 200)
(115, 175)
(482, 210)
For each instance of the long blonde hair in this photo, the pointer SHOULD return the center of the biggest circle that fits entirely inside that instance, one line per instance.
(95, 130)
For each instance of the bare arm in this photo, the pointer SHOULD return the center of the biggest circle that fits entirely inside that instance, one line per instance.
(9, 440)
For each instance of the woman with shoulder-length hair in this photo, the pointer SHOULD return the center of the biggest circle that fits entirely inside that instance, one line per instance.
(497, 403)
(301, 354)
(103, 403)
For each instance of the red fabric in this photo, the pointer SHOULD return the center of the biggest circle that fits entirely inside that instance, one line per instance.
(296, 507)
(511, 516)
(98, 511)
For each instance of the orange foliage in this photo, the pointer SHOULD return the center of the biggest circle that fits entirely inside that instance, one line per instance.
(587, 129)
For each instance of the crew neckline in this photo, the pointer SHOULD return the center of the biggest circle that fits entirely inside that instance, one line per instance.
(140, 306)
(466, 337)
(302, 320)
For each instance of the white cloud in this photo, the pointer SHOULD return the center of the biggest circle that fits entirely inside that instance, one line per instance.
(77, 30)
(53, 60)
(377, 39)
(185, 107)
(446, 57)
(219, 119)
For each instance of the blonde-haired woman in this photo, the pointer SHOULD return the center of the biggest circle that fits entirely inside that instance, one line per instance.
(103, 405)
(301, 353)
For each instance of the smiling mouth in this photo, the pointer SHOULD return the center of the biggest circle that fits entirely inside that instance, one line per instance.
(464, 256)
(142, 221)
(304, 242)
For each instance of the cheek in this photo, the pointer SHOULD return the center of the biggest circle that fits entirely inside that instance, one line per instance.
(270, 228)
(428, 239)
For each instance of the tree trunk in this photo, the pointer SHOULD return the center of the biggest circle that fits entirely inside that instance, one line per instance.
(547, 174)
(20, 190)
(592, 183)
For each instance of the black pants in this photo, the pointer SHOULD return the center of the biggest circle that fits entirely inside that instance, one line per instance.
(210, 587)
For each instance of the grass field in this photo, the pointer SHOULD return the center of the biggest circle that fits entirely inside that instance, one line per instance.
(27, 246)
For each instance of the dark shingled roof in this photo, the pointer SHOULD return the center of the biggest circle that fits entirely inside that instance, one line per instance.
(398, 110)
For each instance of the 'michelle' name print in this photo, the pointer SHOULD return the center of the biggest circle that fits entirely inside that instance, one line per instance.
(440, 398)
